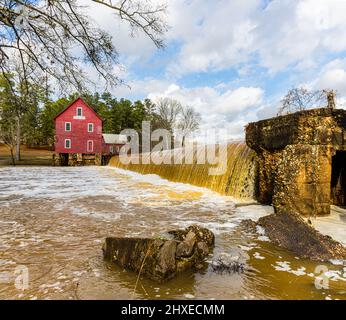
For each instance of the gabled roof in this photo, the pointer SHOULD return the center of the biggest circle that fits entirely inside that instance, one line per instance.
(114, 138)
(73, 102)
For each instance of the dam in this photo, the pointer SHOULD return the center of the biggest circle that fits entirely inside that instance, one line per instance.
(295, 162)
(238, 179)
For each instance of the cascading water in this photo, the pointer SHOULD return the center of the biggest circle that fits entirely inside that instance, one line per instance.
(237, 180)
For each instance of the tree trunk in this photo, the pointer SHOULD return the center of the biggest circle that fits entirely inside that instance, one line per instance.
(183, 141)
(331, 99)
(12, 156)
(18, 140)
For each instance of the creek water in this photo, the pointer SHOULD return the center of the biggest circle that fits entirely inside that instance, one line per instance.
(53, 221)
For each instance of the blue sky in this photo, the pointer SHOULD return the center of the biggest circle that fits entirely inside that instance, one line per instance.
(233, 60)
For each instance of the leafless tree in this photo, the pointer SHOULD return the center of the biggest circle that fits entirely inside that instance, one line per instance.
(168, 111)
(189, 122)
(48, 33)
(298, 99)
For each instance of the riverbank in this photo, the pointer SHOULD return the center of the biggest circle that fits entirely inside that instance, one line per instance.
(29, 157)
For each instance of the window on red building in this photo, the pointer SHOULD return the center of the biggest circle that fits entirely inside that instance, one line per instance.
(79, 111)
(68, 143)
(90, 145)
(90, 127)
(67, 126)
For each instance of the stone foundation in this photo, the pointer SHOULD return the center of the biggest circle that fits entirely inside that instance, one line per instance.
(78, 159)
(300, 160)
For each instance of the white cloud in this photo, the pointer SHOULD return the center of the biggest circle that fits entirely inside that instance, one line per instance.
(333, 76)
(215, 34)
(298, 32)
(131, 47)
(221, 107)
(228, 109)
(223, 34)
(140, 87)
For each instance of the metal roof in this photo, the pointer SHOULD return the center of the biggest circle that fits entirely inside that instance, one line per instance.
(114, 138)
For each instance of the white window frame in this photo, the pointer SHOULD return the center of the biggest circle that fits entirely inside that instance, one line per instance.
(70, 126)
(69, 142)
(92, 130)
(111, 149)
(81, 112)
(92, 146)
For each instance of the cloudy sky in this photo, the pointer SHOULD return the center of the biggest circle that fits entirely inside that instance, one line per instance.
(233, 60)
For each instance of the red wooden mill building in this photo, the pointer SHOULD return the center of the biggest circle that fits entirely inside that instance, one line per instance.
(79, 139)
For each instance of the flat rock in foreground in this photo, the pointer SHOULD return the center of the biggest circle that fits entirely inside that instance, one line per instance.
(161, 259)
(291, 232)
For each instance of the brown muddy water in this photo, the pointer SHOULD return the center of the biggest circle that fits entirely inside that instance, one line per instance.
(53, 221)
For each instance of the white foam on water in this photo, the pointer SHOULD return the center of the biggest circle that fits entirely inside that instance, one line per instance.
(333, 275)
(216, 227)
(7, 262)
(257, 255)
(336, 275)
(282, 266)
(214, 197)
(156, 180)
(336, 262)
(80, 190)
(253, 212)
(299, 272)
(262, 235)
(333, 225)
(286, 267)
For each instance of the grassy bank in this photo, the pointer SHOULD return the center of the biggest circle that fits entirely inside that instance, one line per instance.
(29, 157)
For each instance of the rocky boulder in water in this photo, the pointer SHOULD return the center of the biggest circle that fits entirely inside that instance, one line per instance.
(291, 232)
(160, 259)
(229, 263)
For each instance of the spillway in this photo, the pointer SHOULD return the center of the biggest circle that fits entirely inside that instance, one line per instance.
(237, 179)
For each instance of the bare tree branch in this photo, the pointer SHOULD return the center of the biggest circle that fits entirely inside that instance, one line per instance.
(189, 122)
(168, 111)
(298, 99)
(59, 36)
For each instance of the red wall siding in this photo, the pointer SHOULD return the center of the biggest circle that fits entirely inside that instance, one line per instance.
(79, 134)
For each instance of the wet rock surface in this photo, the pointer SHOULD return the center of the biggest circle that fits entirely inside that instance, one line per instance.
(161, 259)
(301, 160)
(291, 232)
(229, 263)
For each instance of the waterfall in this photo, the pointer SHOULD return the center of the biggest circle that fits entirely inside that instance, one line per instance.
(238, 179)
